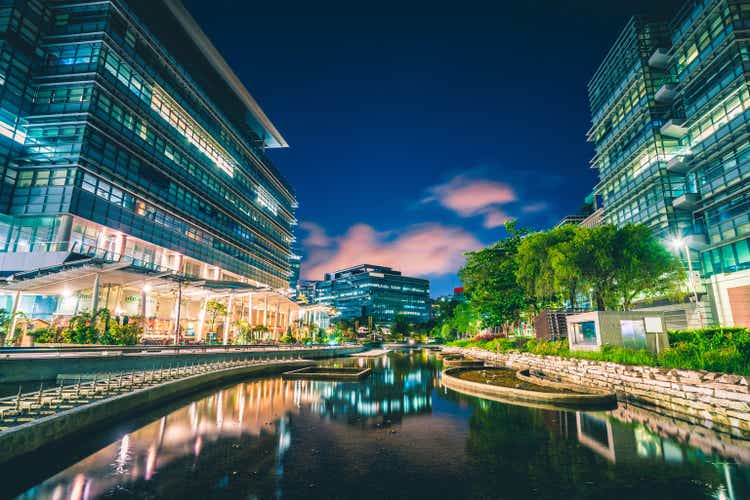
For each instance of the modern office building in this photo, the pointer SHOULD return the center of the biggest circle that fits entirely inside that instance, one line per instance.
(375, 291)
(670, 128)
(130, 151)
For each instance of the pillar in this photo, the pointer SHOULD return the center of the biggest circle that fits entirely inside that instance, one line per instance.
(276, 321)
(227, 320)
(177, 311)
(250, 307)
(265, 312)
(201, 320)
(143, 308)
(13, 316)
(95, 294)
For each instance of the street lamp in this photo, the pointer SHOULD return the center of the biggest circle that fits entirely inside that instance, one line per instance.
(681, 244)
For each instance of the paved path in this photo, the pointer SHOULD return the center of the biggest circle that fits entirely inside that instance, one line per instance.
(371, 354)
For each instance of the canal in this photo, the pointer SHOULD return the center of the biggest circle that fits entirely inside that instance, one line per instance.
(396, 434)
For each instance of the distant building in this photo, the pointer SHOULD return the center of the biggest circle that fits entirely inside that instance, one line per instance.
(381, 292)
(305, 291)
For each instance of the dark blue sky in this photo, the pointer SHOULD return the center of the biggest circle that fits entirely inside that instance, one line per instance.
(417, 128)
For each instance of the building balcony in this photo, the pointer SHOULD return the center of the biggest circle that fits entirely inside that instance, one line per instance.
(666, 93)
(687, 201)
(660, 59)
(680, 164)
(674, 128)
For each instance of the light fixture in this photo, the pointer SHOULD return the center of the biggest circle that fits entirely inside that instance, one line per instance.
(677, 243)
(147, 288)
(66, 293)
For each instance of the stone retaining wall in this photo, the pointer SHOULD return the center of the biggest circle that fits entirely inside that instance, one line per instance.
(713, 399)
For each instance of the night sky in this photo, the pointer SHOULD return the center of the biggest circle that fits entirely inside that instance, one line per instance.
(417, 129)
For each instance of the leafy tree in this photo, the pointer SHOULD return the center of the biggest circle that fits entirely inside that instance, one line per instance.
(643, 267)
(216, 309)
(489, 277)
(400, 325)
(544, 270)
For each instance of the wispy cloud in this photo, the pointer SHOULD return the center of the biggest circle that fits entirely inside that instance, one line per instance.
(533, 208)
(419, 250)
(468, 197)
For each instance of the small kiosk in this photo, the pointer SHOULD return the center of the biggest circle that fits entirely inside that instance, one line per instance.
(632, 329)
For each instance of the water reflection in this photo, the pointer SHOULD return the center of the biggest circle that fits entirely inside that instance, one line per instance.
(396, 434)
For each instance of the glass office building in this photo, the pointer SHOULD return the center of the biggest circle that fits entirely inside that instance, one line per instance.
(670, 115)
(125, 136)
(379, 292)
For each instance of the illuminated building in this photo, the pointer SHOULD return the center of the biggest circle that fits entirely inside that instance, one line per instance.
(669, 108)
(127, 141)
(375, 291)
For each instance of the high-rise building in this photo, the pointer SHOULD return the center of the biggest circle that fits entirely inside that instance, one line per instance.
(669, 109)
(379, 292)
(126, 138)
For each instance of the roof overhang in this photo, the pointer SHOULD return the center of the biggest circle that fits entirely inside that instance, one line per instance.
(271, 136)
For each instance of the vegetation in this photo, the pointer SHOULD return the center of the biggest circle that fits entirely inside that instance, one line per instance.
(87, 328)
(513, 280)
(215, 310)
(714, 349)
(6, 322)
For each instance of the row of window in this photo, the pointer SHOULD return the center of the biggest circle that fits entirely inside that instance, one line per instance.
(142, 132)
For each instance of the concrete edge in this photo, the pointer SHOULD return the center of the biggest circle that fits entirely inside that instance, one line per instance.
(31, 436)
(510, 394)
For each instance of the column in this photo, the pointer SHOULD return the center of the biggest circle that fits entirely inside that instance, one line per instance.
(95, 294)
(228, 320)
(251, 319)
(143, 309)
(265, 312)
(276, 321)
(201, 320)
(177, 311)
(13, 317)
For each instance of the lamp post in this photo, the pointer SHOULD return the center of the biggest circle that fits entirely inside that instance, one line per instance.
(681, 244)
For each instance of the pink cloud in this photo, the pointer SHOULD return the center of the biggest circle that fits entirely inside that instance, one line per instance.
(316, 235)
(534, 207)
(495, 218)
(426, 249)
(468, 197)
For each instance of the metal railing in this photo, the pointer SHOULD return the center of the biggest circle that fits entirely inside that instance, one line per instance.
(27, 407)
(171, 349)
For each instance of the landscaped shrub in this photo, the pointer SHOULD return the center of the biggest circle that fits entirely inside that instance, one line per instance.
(715, 349)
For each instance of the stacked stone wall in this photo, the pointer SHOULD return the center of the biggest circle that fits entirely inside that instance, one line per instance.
(712, 399)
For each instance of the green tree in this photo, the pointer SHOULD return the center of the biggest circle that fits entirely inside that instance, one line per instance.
(216, 310)
(643, 267)
(489, 277)
(400, 325)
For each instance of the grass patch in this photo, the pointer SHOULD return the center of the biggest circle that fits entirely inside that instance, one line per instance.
(725, 350)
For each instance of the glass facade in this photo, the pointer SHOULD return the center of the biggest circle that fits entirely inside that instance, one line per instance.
(377, 291)
(121, 135)
(670, 110)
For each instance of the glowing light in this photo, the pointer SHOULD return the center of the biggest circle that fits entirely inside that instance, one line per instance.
(147, 288)
(677, 243)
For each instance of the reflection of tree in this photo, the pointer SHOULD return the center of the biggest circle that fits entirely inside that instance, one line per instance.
(515, 453)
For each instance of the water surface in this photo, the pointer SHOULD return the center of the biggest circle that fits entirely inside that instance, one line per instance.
(396, 434)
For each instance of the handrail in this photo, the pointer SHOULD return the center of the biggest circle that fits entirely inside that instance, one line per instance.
(171, 348)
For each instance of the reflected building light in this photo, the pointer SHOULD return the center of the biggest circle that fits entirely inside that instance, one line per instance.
(122, 457)
(150, 462)
(198, 446)
(77, 491)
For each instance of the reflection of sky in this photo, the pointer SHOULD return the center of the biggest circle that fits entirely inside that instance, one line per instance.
(290, 422)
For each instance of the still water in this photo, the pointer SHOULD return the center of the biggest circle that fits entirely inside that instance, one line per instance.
(396, 434)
